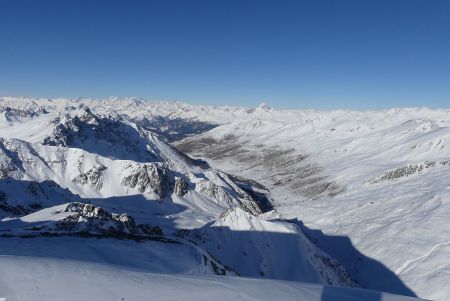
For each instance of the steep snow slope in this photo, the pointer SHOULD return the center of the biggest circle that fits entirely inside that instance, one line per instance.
(105, 158)
(376, 177)
(270, 249)
(39, 185)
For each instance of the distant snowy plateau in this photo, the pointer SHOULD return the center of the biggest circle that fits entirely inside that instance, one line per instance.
(128, 199)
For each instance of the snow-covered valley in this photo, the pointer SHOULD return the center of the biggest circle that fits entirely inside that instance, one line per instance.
(362, 184)
(98, 200)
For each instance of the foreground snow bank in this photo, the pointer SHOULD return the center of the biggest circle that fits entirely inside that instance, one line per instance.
(33, 278)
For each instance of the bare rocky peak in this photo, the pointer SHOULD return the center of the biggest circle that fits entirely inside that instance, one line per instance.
(149, 178)
(12, 114)
(109, 136)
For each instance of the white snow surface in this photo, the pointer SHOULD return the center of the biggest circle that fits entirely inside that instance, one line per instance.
(36, 277)
(387, 176)
(399, 222)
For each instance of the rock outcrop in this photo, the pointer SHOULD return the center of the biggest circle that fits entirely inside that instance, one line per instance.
(149, 178)
(180, 187)
(95, 220)
(93, 177)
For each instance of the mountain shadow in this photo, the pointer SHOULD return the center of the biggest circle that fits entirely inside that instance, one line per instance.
(269, 255)
(368, 272)
(288, 256)
(333, 293)
(20, 197)
(260, 254)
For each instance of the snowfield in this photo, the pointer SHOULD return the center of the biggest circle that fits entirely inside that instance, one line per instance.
(379, 178)
(293, 205)
(35, 278)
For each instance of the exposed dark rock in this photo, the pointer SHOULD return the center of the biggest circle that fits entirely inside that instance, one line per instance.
(107, 136)
(93, 177)
(180, 186)
(258, 193)
(209, 189)
(150, 230)
(92, 219)
(218, 193)
(87, 217)
(11, 113)
(148, 178)
(408, 170)
(10, 162)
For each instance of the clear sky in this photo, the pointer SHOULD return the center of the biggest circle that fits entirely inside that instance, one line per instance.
(291, 54)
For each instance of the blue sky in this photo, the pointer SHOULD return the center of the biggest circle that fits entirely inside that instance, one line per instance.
(290, 54)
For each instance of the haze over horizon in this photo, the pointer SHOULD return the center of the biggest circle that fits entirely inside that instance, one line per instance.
(291, 55)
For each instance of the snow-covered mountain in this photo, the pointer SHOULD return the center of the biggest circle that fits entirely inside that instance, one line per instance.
(91, 190)
(366, 186)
